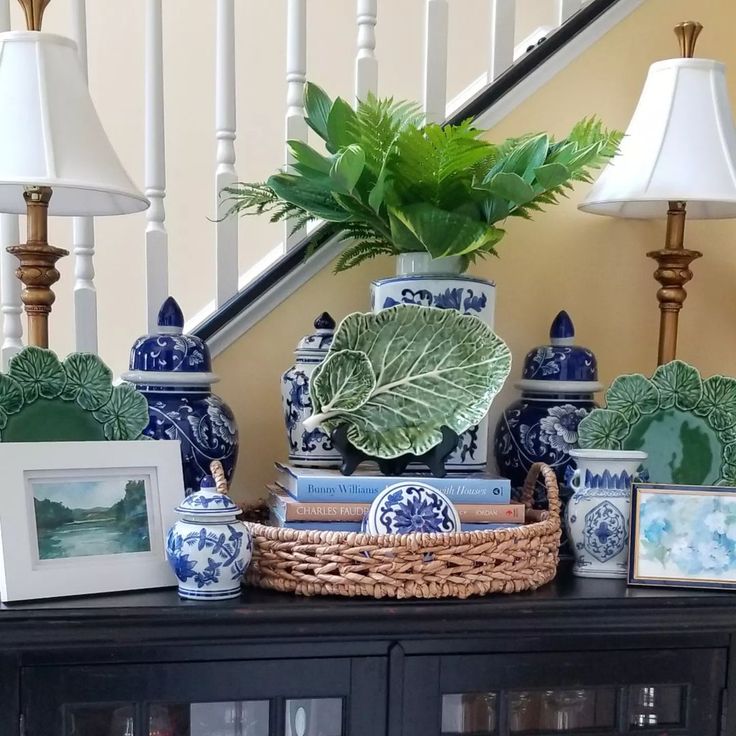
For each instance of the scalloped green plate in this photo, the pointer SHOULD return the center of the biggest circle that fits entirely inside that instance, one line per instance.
(685, 423)
(45, 400)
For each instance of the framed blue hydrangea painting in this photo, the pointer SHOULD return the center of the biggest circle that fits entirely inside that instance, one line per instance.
(683, 536)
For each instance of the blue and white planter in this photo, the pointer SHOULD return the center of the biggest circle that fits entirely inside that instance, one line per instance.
(311, 449)
(438, 283)
(557, 387)
(597, 515)
(209, 549)
(174, 372)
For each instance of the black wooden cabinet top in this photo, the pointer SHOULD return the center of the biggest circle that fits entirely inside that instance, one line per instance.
(569, 606)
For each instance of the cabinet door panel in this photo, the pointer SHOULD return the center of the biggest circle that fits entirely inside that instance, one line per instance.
(648, 692)
(314, 697)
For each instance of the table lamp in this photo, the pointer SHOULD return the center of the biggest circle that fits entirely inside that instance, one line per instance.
(678, 156)
(51, 142)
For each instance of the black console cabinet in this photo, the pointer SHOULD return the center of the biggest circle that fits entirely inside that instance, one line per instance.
(577, 656)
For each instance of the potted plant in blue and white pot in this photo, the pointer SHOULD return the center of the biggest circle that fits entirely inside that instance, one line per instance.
(433, 196)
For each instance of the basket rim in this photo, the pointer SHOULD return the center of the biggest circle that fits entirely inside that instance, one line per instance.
(411, 540)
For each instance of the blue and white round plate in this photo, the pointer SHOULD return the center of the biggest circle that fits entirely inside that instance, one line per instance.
(406, 508)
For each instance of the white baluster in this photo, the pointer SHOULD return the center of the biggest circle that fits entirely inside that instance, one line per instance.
(296, 77)
(10, 304)
(157, 239)
(435, 60)
(366, 64)
(503, 23)
(225, 174)
(83, 229)
(10, 287)
(566, 8)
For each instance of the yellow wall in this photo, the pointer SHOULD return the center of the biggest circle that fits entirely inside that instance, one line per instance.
(594, 267)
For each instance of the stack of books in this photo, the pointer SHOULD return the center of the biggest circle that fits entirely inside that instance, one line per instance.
(315, 498)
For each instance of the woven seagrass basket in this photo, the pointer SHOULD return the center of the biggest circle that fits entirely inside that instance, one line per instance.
(455, 565)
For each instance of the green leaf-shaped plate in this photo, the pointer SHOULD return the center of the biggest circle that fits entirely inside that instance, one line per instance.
(396, 377)
(685, 424)
(45, 400)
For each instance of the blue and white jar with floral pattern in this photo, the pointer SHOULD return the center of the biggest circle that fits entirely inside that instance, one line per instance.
(174, 372)
(557, 387)
(311, 449)
(597, 516)
(438, 282)
(209, 549)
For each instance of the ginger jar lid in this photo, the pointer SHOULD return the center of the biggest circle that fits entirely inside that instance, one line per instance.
(208, 502)
(318, 342)
(561, 366)
(175, 358)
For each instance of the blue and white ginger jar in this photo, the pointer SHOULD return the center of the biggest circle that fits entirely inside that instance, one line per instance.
(209, 549)
(597, 516)
(174, 372)
(557, 386)
(438, 282)
(307, 448)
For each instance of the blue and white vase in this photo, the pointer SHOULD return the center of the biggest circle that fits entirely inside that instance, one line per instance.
(209, 549)
(597, 515)
(438, 282)
(307, 448)
(557, 387)
(174, 372)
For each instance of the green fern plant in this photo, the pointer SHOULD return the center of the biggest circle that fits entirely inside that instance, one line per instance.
(391, 184)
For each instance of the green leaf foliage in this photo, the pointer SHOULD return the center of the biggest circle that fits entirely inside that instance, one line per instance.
(602, 429)
(89, 381)
(390, 183)
(633, 396)
(396, 377)
(38, 372)
(679, 385)
(343, 382)
(125, 415)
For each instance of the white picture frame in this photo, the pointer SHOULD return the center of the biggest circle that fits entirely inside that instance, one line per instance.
(43, 557)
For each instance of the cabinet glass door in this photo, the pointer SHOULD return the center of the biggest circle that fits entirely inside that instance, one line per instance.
(314, 697)
(664, 692)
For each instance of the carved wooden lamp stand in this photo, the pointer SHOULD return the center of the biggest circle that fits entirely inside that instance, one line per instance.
(658, 169)
(51, 141)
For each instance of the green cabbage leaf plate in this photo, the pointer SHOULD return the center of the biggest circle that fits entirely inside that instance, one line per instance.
(396, 377)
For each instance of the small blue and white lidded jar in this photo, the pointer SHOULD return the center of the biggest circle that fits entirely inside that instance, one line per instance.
(557, 386)
(209, 548)
(307, 449)
(174, 372)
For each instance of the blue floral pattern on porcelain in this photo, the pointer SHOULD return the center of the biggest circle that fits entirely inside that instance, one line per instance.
(308, 448)
(209, 553)
(173, 372)
(406, 508)
(605, 531)
(557, 387)
(597, 515)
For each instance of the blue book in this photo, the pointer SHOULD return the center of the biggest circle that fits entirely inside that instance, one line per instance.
(320, 485)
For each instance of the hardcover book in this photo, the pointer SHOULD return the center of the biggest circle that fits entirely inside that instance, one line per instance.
(287, 508)
(313, 485)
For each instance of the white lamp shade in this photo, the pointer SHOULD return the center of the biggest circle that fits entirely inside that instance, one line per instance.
(50, 134)
(680, 145)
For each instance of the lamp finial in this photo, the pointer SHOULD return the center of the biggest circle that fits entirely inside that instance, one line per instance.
(687, 34)
(34, 13)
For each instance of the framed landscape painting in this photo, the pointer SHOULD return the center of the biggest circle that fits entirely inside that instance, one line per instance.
(86, 517)
(683, 536)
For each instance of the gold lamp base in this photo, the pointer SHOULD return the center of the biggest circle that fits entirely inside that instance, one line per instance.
(37, 269)
(673, 272)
